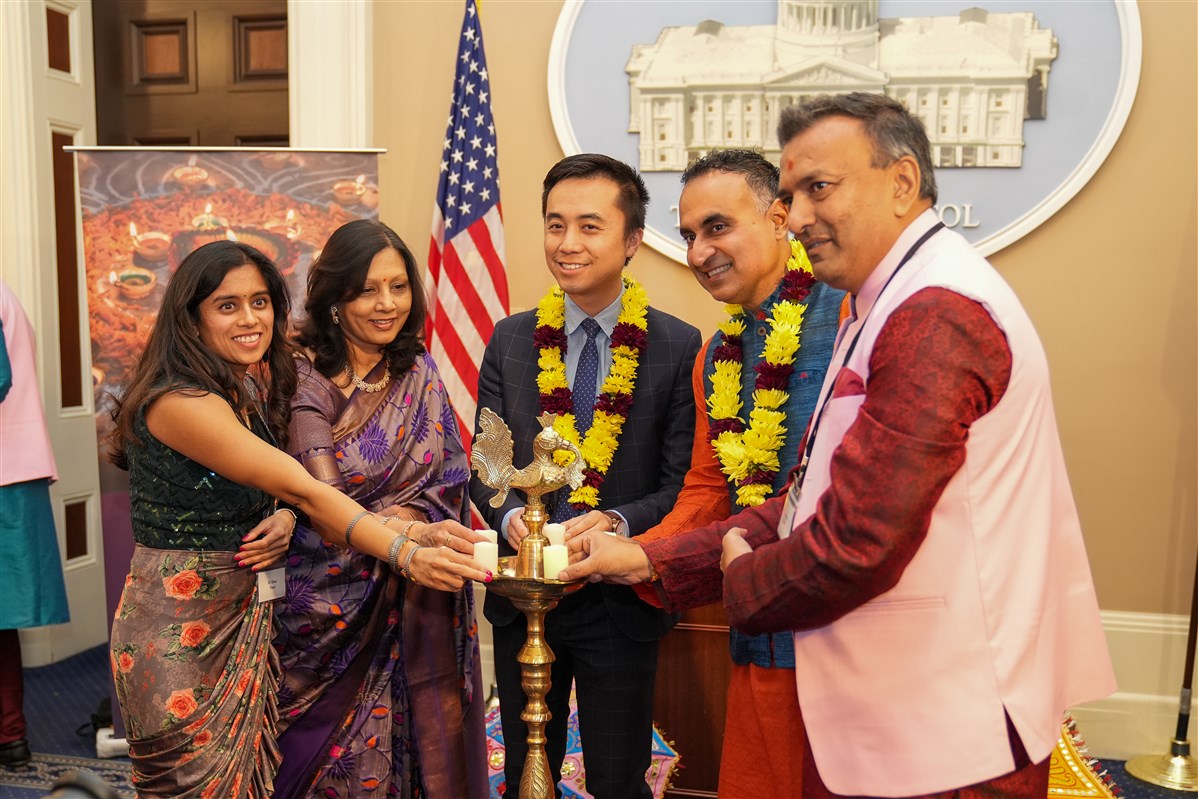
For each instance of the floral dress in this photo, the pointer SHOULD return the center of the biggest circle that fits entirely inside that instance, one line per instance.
(195, 673)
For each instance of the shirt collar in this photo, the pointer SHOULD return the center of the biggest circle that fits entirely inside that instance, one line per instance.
(872, 287)
(606, 318)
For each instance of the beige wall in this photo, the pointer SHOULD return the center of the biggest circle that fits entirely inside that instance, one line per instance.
(1109, 280)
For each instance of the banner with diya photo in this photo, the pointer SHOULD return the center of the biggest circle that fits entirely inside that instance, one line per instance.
(145, 209)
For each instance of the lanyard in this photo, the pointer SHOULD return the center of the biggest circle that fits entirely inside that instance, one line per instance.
(819, 414)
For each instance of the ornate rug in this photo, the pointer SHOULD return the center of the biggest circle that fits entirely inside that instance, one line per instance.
(1073, 772)
(45, 770)
(661, 764)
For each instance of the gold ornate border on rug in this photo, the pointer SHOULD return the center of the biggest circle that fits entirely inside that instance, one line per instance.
(1073, 773)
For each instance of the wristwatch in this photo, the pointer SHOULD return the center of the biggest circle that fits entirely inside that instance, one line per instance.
(618, 526)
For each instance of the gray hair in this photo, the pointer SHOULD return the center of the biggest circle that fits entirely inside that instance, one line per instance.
(894, 131)
(760, 174)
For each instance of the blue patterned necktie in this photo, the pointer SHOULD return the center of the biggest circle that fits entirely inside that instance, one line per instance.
(586, 383)
(586, 378)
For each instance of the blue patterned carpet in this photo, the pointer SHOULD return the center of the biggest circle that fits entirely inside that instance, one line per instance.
(59, 699)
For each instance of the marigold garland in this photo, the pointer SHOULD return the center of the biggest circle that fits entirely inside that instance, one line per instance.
(628, 340)
(748, 455)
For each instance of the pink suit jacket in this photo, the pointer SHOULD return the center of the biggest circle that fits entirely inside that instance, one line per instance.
(25, 452)
(995, 614)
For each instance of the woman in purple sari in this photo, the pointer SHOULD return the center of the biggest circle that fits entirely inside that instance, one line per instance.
(381, 690)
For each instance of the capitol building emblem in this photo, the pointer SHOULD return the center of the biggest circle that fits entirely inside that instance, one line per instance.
(1022, 99)
(974, 78)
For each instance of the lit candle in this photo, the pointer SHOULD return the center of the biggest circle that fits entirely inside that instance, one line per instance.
(191, 174)
(555, 559)
(151, 245)
(486, 555)
(206, 220)
(556, 533)
(490, 535)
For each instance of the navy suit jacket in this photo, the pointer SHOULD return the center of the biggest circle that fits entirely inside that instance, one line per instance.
(650, 462)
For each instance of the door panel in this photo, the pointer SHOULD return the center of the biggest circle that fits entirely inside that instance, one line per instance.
(201, 72)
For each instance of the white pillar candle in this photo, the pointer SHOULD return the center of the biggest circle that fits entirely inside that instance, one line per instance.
(486, 555)
(556, 533)
(556, 558)
(490, 535)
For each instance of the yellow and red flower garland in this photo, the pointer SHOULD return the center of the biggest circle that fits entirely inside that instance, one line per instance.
(628, 340)
(749, 455)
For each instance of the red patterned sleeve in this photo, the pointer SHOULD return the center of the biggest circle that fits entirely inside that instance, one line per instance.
(704, 497)
(939, 363)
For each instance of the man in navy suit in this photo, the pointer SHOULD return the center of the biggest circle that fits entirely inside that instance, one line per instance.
(604, 638)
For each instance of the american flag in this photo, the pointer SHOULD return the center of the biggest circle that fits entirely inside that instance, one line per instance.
(468, 286)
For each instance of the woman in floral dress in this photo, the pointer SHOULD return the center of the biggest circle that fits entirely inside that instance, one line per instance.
(196, 428)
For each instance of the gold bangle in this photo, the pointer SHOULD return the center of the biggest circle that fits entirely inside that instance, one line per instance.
(407, 527)
(653, 575)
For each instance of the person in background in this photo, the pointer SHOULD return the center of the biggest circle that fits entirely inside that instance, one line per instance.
(617, 373)
(197, 426)
(381, 677)
(32, 592)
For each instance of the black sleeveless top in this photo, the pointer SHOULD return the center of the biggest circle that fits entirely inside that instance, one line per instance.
(177, 503)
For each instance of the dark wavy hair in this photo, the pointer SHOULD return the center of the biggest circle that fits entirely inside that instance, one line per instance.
(176, 359)
(339, 275)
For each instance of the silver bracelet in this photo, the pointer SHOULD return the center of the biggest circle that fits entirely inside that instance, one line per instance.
(406, 570)
(294, 518)
(393, 552)
(350, 528)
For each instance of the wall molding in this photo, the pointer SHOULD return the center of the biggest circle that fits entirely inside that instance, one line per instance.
(1148, 652)
(19, 251)
(330, 63)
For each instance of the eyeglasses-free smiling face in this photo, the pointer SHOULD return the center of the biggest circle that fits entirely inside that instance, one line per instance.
(736, 251)
(586, 245)
(374, 318)
(236, 320)
(846, 212)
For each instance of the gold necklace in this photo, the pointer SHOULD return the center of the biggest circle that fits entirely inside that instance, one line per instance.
(369, 388)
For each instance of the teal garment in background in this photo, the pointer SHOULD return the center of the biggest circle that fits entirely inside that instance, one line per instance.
(32, 592)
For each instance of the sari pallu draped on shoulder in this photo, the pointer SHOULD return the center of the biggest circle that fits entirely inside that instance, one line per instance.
(380, 691)
(196, 676)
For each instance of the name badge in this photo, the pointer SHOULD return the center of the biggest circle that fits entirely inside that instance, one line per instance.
(786, 523)
(272, 584)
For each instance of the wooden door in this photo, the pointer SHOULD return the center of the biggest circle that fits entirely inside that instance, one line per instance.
(207, 73)
(693, 670)
(47, 103)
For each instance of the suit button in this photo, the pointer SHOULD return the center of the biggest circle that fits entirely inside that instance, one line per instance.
(761, 331)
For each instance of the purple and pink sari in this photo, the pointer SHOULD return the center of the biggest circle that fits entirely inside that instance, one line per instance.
(381, 692)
